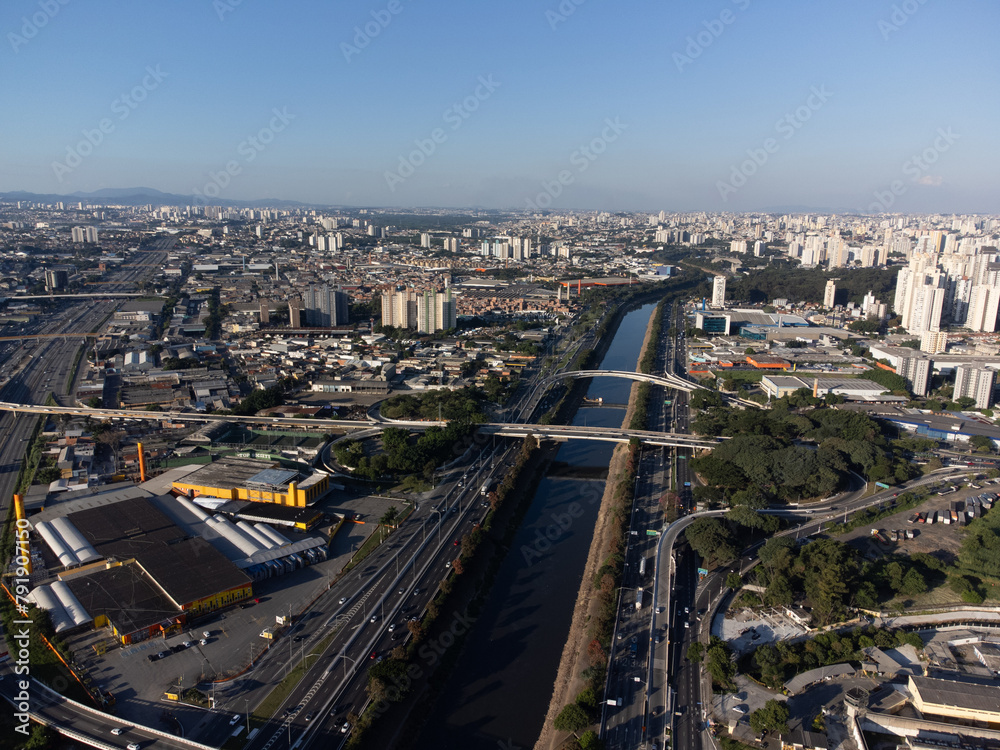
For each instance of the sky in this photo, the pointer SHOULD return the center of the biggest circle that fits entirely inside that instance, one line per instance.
(635, 105)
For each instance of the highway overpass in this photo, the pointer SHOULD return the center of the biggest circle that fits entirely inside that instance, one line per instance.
(556, 432)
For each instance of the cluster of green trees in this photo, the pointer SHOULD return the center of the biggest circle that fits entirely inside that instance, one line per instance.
(775, 664)
(980, 550)
(656, 328)
(889, 380)
(764, 451)
(406, 453)
(718, 660)
(466, 405)
(771, 282)
(261, 399)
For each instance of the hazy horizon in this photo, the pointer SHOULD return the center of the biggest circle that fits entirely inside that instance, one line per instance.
(579, 104)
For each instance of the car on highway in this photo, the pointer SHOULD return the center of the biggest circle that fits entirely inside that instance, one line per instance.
(343, 599)
(117, 731)
(232, 721)
(309, 716)
(455, 543)
(392, 626)
(346, 728)
(133, 746)
(374, 618)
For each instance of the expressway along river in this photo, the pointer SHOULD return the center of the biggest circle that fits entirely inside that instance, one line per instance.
(501, 685)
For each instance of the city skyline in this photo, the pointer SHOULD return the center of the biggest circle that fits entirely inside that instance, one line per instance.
(734, 107)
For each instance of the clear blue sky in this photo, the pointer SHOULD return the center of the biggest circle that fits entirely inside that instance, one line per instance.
(561, 77)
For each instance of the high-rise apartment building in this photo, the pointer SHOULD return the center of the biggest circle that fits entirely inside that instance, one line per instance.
(436, 311)
(977, 383)
(399, 309)
(830, 294)
(325, 307)
(719, 291)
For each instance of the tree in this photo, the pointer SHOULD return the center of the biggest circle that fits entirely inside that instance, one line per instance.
(773, 717)
(572, 719)
(710, 538)
(695, 651)
(589, 740)
(981, 443)
(734, 580)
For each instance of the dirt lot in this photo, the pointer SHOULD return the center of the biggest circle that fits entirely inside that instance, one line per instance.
(943, 541)
(938, 539)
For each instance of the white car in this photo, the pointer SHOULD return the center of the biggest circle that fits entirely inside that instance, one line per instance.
(117, 731)
(343, 599)
(346, 727)
(133, 746)
(392, 627)
(206, 634)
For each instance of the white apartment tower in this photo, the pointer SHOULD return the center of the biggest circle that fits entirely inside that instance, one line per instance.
(830, 294)
(977, 383)
(719, 291)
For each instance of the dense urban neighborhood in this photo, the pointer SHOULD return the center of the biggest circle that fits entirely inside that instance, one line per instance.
(297, 476)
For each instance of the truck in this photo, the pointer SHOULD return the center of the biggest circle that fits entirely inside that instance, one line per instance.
(642, 566)
(485, 489)
(638, 598)
(614, 701)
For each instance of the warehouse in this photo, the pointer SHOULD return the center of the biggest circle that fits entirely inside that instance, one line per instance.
(144, 576)
(965, 701)
(254, 481)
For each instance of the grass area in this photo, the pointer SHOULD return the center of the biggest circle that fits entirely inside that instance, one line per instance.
(906, 501)
(373, 541)
(741, 376)
(73, 370)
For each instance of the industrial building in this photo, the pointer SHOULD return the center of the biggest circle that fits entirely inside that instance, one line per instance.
(859, 389)
(144, 564)
(951, 699)
(127, 566)
(255, 482)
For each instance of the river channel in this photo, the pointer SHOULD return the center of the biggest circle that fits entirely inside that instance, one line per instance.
(501, 685)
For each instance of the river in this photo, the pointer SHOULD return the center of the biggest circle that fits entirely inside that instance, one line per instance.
(499, 690)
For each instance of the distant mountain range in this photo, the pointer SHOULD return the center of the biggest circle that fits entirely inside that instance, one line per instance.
(139, 196)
